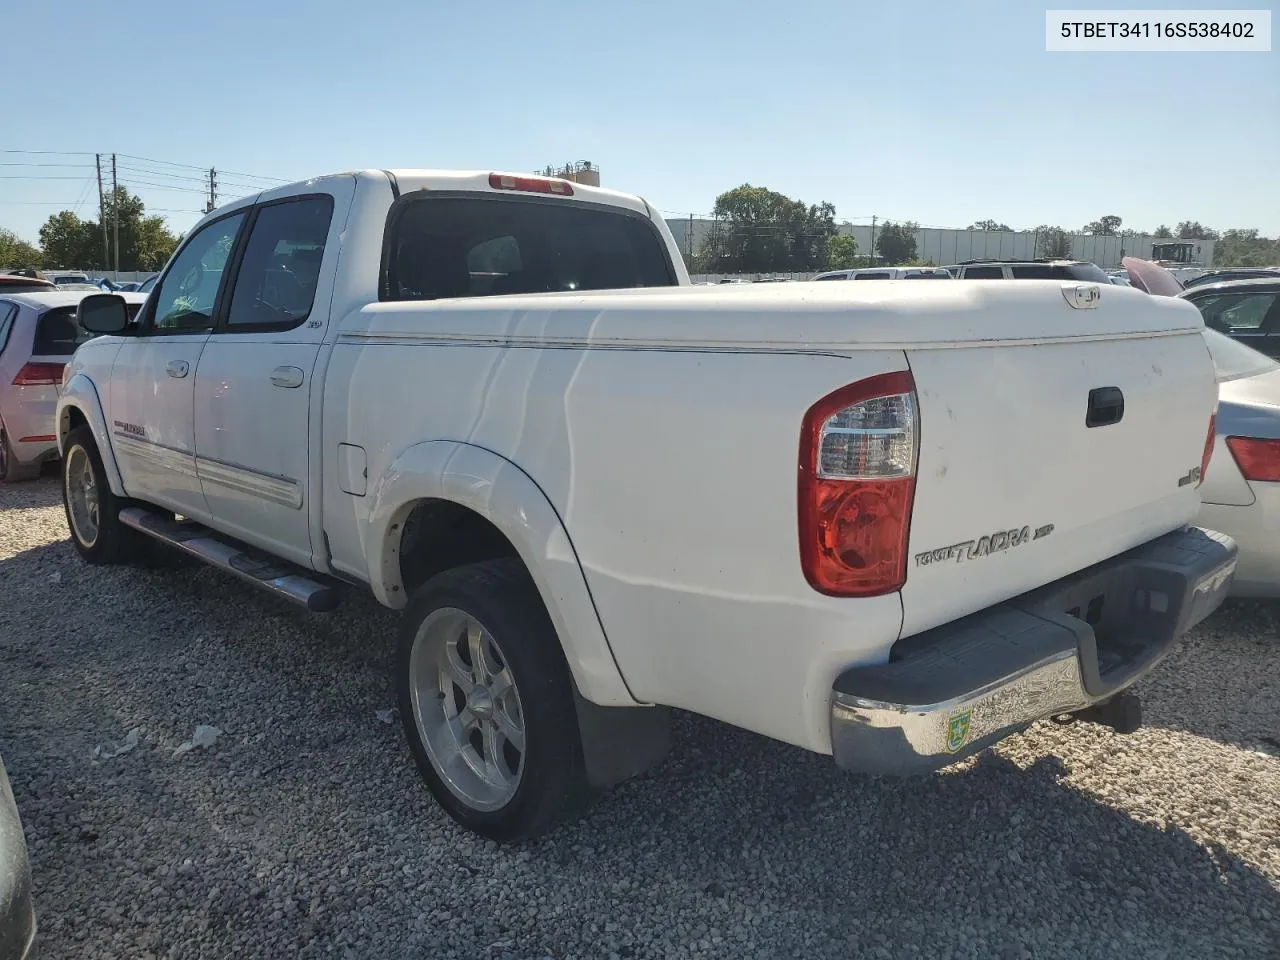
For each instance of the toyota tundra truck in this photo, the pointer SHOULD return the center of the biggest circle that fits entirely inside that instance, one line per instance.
(892, 523)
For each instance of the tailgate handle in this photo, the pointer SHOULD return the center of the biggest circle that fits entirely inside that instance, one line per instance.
(1106, 406)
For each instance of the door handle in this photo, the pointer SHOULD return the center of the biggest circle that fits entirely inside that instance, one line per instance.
(1106, 406)
(287, 377)
(177, 368)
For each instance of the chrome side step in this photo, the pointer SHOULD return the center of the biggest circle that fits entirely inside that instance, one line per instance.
(284, 579)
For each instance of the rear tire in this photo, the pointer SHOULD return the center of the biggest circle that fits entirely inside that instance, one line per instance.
(11, 471)
(486, 702)
(93, 511)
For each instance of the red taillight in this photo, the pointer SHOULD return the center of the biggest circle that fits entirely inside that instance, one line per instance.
(1258, 459)
(1209, 440)
(38, 374)
(505, 181)
(857, 485)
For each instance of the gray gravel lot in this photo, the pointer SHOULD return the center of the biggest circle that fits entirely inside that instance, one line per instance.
(304, 831)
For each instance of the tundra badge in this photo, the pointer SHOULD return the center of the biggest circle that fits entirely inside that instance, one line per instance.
(984, 546)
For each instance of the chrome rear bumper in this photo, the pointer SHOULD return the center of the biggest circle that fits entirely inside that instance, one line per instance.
(952, 691)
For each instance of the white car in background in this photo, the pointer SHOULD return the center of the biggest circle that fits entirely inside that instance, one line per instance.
(887, 273)
(1240, 495)
(38, 335)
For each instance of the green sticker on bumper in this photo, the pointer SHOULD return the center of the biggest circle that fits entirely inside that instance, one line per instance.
(958, 729)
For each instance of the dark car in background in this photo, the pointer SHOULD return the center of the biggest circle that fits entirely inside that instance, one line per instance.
(1245, 310)
(1236, 273)
(20, 283)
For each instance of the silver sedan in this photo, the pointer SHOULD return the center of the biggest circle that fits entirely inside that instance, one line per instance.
(1240, 495)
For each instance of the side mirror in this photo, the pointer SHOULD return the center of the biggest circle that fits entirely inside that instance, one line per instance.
(103, 313)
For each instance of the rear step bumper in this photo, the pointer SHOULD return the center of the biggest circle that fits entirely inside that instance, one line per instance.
(950, 692)
(305, 588)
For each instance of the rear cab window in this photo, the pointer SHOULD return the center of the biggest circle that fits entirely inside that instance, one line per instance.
(873, 275)
(441, 247)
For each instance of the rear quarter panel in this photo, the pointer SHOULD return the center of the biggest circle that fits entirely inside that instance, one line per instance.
(674, 474)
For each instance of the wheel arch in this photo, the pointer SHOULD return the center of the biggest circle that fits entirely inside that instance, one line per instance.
(485, 491)
(78, 405)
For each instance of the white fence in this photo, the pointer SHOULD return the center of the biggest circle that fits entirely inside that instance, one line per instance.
(951, 246)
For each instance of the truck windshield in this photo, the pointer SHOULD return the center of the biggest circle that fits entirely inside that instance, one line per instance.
(444, 247)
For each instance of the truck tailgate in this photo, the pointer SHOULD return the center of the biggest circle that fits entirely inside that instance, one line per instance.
(1015, 488)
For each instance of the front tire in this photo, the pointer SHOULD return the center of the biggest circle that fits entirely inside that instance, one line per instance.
(93, 511)
(486, 702)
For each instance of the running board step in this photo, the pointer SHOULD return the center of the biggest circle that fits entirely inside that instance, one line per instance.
(280, 577)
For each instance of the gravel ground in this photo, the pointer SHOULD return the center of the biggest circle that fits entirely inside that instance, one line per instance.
(304, 831)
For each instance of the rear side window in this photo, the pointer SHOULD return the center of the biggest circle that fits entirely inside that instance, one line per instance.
(477, 246)
(58, 334)
(930, 275)
(834, 276)
(874, 275)
(984, 273)
(1237, 313)
(8, 312)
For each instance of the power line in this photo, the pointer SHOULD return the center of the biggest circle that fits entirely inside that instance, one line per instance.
(162, 186)
(18, 163)
(51, 153)
(191, 166)
(160, 173)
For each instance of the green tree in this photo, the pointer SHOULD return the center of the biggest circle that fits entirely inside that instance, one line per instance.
(1052, 242)
(757, 230)
(145, 242)
(896, 242)
(1162, 232)
(1107, 226)
(842, 253)
(1245, 248)
(68, 241)
(1195, 230)
(989, 225)
(16, 253)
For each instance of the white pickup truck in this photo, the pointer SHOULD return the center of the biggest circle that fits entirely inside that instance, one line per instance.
(892, 522)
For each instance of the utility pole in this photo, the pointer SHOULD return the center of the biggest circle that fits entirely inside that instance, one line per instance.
(115, 213)
(873, 239)
(213, 191)
(690, 239)
(102, 209)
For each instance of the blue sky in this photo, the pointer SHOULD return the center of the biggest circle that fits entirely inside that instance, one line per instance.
(944, 113)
